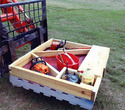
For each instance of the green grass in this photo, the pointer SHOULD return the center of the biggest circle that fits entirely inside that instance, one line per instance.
(94, 27)
(94, 23)
(103, 101)
(122, 83)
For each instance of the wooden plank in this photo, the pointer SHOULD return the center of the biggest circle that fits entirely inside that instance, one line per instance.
(52, 70)
(24, 59)
(34, 55)
(43, 46)
(70, 44)
(59, 84)
(55, 52)
(96, 59)
(61, 73)
(96, 87)
(27, 58)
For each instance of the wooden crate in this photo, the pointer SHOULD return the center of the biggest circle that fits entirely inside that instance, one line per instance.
(96, 59)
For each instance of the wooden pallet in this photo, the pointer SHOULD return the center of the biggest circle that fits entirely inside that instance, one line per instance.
(96, 59)
(47, 91)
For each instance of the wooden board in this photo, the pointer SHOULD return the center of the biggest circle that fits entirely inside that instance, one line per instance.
(59, 84)
(52, 70)
(73, 44)
(55, 52)
(96, 87)
(50, 92)
(96, 60)
(24, 59)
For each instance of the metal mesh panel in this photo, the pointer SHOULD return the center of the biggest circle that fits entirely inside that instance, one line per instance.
(20, 23)
(17, 22)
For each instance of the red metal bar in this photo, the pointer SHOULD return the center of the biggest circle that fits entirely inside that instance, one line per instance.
(17, 23)
(4, 17)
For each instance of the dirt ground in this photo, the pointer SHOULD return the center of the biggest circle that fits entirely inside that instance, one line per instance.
(113, 93)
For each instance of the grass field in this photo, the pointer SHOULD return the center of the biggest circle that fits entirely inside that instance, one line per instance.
(93, 22)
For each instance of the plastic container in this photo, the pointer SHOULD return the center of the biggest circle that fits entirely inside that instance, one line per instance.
(73, 61)
(88, 77)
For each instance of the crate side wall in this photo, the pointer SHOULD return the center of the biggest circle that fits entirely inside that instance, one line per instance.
(59, 84)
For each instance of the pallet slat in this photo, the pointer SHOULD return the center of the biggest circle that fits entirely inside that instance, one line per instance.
(55, 52)
(59, 95)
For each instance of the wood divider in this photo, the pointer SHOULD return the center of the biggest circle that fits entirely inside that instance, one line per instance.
(61, 73)
(52, 70)
(55, 52)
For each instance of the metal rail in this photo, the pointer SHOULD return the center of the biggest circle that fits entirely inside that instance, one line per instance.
(19, 28)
